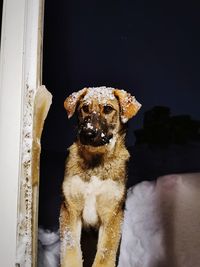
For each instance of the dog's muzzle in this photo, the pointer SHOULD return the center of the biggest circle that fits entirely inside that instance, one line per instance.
(93, 131)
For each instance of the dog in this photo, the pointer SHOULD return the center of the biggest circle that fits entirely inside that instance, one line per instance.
(95, 176)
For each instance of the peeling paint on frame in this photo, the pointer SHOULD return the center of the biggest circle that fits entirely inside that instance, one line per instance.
(35, 112)
(24, 238)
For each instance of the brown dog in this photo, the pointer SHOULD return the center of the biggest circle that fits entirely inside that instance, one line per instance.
(95, 176)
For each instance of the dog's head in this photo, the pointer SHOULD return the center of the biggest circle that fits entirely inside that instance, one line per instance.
(102, 111)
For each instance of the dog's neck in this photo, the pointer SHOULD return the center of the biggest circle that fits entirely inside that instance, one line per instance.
(94, 156)
(87, 163)
(91, 160)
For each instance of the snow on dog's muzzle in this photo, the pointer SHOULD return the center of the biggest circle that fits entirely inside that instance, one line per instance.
(93, 131)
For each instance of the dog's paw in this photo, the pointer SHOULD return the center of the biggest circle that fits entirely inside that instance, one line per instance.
(72, 263)
(103, 265)
(72, 258)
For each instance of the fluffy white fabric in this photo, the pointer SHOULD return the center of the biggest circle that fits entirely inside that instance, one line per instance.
(161, 226)
(162, 223)
(48, 248)
(141, 236)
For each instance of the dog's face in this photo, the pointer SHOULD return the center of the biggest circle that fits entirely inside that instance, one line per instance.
(101, 112)
(98, 120)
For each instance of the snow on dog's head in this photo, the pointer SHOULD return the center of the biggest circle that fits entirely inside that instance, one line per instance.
(129, 106)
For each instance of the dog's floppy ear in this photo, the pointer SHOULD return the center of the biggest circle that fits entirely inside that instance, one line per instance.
(72, 101)
(128, 104)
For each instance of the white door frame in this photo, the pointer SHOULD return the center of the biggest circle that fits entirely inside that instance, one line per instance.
(20, 76)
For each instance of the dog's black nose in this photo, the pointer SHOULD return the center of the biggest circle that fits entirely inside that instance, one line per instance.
(89, 132)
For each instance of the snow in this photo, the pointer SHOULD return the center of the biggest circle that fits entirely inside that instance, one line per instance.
(67, 241)
(102, 94)
(90, 126)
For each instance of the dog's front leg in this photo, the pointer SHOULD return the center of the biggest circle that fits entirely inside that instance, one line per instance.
(70, 232)
(109, 237)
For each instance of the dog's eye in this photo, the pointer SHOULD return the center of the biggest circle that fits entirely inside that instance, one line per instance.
(85, 108)
(107, 109)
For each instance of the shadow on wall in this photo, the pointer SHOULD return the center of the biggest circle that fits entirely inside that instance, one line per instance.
(165, 145)
(160, 129)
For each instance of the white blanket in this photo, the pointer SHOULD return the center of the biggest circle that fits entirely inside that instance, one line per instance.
(162, 223)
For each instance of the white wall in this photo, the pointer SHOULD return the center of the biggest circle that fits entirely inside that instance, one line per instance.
(11, 76)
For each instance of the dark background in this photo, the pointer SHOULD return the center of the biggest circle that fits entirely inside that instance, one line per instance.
(149, 48)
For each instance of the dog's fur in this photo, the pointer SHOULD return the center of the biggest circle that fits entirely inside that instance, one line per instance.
(94, 182)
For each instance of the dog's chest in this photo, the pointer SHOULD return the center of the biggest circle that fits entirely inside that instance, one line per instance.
(95, 195)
